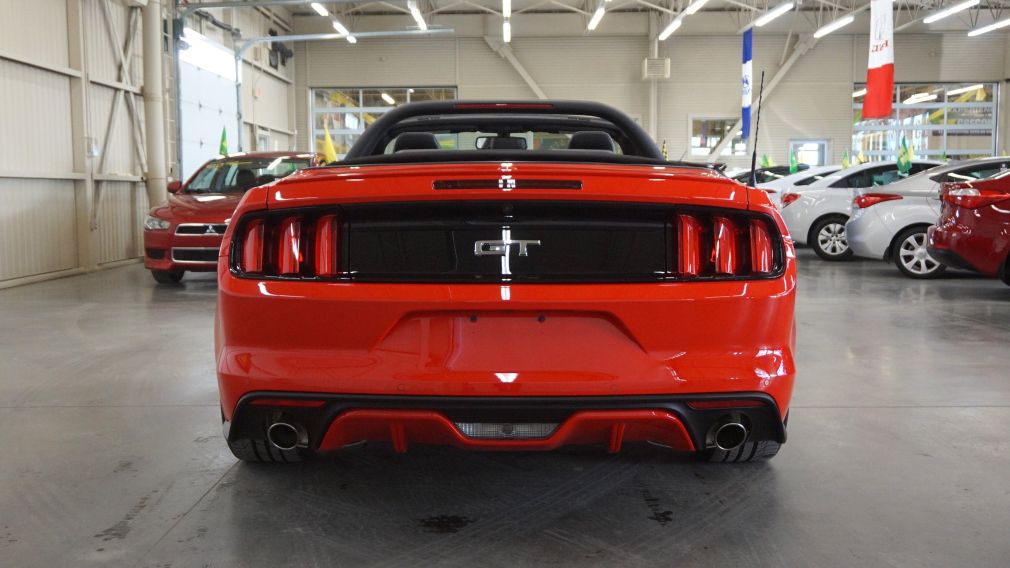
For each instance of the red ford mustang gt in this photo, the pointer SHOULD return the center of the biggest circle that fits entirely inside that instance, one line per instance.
(974, 227)
(505, 276)
(184, 233)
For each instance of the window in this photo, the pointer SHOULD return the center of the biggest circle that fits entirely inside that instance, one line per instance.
(947, 121)
(816, 177)
(241, 174)
(707, 133)
(880, 175)
(810, 152)
(347, 112)
(972, 173)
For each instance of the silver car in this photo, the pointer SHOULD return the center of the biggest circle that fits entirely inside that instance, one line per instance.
(890, 223)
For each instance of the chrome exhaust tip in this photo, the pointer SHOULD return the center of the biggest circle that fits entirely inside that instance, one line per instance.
(284, 436)
(730, 436)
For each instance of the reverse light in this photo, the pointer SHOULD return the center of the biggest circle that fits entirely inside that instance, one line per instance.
(870, 199)
(789, 198)
(152, 223)
(973, 198)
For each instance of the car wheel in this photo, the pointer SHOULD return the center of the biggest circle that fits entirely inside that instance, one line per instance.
(167, 276)
(911, 256)
(261, 451)
(747, 452)
(828, 238)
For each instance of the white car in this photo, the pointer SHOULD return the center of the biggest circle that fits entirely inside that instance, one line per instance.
(796, 183)
(817, 216)
(891, 223)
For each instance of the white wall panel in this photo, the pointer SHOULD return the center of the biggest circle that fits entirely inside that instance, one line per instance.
(37, 227)
(35, 30)
(265, 99)
(424, 62)
(121, 157)
(35, 114)
(119, 226)
(103, 60)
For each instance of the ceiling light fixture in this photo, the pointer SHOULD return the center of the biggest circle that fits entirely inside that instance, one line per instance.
(389, 100)
(506, 8)
(694, 6)
(834, 26)
(415, 12)
(506, 31)
(950, 11)
(595, 20)
(773, 13)
(858, 93)
(991, 27)
(919, 98)
(320, 9)
(673, 26)
(344, 31)
(968, 89)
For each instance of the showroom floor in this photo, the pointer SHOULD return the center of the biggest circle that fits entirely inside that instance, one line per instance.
(898, 455)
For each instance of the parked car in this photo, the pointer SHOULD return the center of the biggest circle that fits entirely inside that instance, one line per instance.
(505, 298)
(766, 175)
(817, 216)
(184, 233)
(890, 223)
(796, 183)
(973, 231)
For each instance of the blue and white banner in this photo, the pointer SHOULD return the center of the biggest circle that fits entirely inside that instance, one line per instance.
(748, 80)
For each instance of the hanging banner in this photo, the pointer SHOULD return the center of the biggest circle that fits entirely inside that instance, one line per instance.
(748, 80)
(880, 71)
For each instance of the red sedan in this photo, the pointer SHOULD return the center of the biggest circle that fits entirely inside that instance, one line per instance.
(974, 227)
(506, 276)
(185, 232)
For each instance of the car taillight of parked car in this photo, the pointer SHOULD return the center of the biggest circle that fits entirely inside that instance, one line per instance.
(723, 246)
(293, 246)
(871, 199)
(789, 198)
(973, 198)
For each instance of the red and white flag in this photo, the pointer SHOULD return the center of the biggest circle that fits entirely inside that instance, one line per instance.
(880, 71)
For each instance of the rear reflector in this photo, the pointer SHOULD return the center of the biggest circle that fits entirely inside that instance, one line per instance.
(870, 199)
(724, 404)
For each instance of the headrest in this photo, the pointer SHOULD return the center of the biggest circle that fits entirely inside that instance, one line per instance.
(591, 140)
(416, 141)
(508, 143)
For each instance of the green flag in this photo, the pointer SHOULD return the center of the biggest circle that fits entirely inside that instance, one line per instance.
(904, 157)
(794, 163)
(766, 162)
(223, 149)
(845, 159)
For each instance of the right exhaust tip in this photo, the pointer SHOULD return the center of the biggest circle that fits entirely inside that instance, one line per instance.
(730, 436)
(283, 436)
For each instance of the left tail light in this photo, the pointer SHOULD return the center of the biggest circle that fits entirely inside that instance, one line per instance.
(298, 246)
(963, 195)
(789, 198)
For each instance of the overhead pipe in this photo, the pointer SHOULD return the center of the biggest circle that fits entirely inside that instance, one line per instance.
(154, 104)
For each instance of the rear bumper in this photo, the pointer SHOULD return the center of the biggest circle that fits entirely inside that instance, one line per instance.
(946, 244)
(867, 234)
(334, 421)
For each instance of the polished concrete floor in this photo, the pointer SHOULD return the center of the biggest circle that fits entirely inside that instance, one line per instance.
(899, 451)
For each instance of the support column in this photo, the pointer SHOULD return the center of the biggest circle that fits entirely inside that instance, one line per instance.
(82, 142)
(154, 103)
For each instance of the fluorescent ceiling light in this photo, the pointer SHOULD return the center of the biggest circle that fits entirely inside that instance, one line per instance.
(967, 89)
(340, 28)
(694, 6)
(416, 13)
(919, 98)
(595, 20)
(506, 31)
(351, 39)
(320, 9)
(773, 13)
(673, 26)
(950, 11)
(506, 8)
(991, 27)
(385, 96)
(858, 93)
(834, 26)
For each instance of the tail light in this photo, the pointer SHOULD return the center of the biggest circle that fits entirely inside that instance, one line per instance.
(720, 246)
(968, 197)
(789, 198)
(289, 246)
(870, 199)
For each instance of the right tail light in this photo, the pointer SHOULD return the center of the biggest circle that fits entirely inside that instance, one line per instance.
(870, 199)
(725, 246)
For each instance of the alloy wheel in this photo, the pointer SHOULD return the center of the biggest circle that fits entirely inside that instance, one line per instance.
(831, 239)
(914, 257)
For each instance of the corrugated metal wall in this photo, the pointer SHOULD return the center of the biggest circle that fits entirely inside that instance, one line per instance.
(814, 101)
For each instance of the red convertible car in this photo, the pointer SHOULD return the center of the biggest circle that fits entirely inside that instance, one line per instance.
(974, 227)
(185, 232)
(505, 276)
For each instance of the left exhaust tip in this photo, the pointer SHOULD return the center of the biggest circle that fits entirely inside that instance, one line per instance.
(283, 436)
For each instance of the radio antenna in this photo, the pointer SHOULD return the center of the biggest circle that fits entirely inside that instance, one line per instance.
(757, 129)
